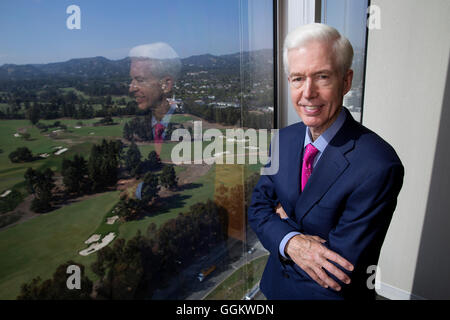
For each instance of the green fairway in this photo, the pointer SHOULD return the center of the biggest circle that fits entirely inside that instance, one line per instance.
(87, 128)
(180, 118)
(12, 173)
(201, 191)
(78, 141)
(38, 246)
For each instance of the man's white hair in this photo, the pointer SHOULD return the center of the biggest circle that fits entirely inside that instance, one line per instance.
(301, 36)
(164, 60)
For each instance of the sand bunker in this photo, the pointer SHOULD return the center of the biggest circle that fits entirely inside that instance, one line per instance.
(97, 246)
(4, 194)
(111, 220)
(93, 238)
(60, 151)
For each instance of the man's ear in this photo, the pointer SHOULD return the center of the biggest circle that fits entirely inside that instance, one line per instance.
(167, 84)
(348, 79)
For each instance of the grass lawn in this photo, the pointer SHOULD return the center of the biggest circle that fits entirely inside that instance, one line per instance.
(87, 128)
(180, 118)
(37, 247)
(78, 141)
(12, 173)
(200, 192)
(240, 281)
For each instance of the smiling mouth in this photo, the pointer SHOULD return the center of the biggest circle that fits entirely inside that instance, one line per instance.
(313, 108)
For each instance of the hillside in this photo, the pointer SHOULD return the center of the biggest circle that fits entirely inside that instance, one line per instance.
(101, 67)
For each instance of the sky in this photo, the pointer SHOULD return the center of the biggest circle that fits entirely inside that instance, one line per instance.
(35, 31)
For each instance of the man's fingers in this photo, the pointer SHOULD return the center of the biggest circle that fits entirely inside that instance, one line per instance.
(315, 259)
(333, 256)
(314, 276)
(280, 212)
(336, 272)
(320, 276)
(319, 239)
(326, 279)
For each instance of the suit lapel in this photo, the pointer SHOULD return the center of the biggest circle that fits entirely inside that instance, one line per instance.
(290, 155)
(330, 166)
(295, 154)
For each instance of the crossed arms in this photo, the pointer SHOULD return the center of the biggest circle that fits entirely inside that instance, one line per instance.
(362, 223)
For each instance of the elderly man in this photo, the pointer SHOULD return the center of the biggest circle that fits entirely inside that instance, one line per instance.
(154, 70)
(324, 215)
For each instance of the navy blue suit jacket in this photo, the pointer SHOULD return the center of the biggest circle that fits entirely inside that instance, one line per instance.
(348, 201)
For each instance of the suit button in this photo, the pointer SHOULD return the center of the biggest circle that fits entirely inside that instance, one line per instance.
(285, 274)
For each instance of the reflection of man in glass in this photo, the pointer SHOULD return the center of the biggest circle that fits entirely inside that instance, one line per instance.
(154, 70)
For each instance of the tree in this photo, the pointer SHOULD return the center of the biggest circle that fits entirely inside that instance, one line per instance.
(168, 177)
(94, 164)
(133, 159)
(26, 136)
(154, 162)
(129, 209)
(75, 175)
(34, 113)
(138, 128)
(127, 132)
(103, 164)
(150, 188)
(22, 154)
(56, 287)
(41, 185)
(120, 269)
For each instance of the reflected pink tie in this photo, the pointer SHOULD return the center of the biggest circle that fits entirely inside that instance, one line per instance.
(308, 160)
(159, 129)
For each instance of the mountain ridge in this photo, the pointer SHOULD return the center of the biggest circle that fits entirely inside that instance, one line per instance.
(95, 67)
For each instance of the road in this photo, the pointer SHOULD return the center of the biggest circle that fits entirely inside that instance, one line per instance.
(216, 278)
(227, 258)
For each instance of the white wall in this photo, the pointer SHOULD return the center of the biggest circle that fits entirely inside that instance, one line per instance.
(407, 87)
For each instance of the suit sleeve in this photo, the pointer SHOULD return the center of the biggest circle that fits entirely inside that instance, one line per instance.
(267, 225)
(360, 231)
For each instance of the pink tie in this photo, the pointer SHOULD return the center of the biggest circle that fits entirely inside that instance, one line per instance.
(308, 160)
(159, 129)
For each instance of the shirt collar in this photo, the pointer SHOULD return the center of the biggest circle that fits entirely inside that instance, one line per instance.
(166, 119)
(324, 139)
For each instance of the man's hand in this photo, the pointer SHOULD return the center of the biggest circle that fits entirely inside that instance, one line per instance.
(310, 255)
(280, 212)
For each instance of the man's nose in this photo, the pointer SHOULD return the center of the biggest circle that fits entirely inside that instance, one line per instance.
(132, 87)
(310, 90)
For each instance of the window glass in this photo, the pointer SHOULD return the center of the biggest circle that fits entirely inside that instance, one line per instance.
(101, 103)
(350, 18)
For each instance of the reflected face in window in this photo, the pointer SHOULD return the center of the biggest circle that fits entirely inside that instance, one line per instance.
(317, 87)
(145, 87)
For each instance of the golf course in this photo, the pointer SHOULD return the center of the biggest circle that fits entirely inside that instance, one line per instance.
(36, 244)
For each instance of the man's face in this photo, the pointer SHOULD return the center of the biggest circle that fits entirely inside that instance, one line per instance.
(317, 85)
(146, 88)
